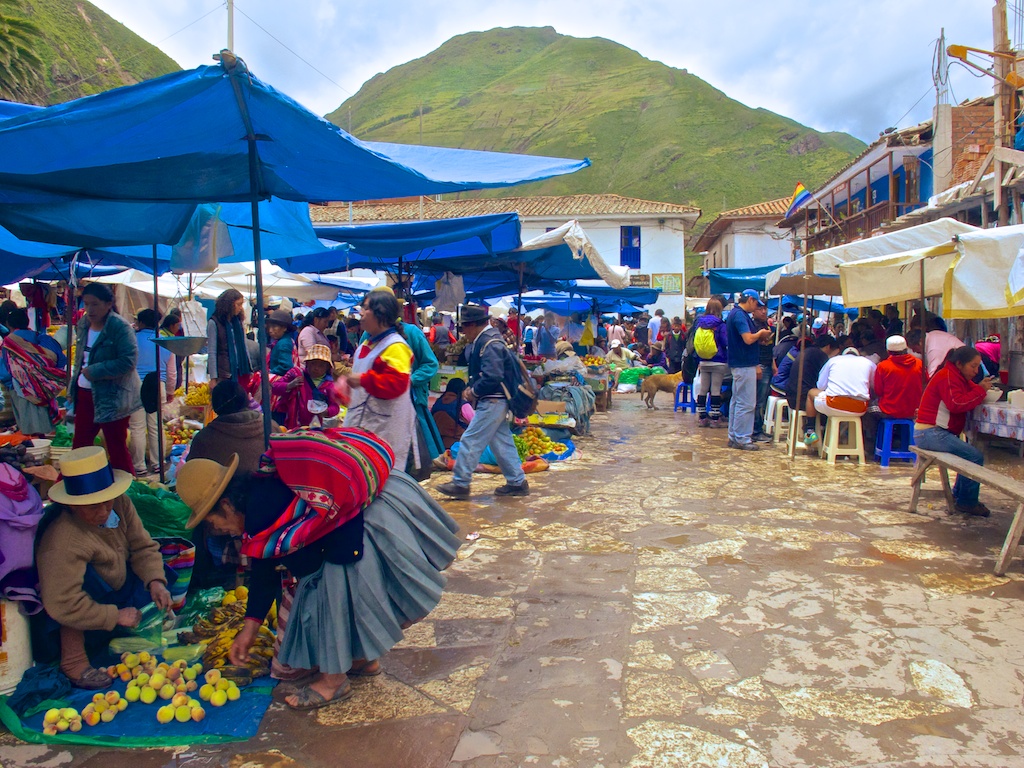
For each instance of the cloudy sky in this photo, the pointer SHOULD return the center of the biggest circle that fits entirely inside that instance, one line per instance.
(844, 65)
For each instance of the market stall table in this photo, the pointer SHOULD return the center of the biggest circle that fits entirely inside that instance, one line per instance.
(996, 420)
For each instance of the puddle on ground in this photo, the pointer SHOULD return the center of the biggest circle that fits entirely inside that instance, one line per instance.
(961, 583)
(660, 743)
(474, 744)
(909, 550)
(855, 706)
(270, 759)
(937, 680)
(653, 610)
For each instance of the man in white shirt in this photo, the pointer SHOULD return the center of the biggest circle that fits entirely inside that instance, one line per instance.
(844, 385)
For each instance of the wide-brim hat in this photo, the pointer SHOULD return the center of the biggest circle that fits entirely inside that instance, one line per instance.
(201, 483)
(473, 314)
(88, 478)
(280, 317)
(564, 348)
(319, 352)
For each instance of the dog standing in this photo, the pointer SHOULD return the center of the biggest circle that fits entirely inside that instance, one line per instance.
(659, 382)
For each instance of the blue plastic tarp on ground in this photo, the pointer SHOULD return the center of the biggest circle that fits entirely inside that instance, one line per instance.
(186, 138)
(735, 280)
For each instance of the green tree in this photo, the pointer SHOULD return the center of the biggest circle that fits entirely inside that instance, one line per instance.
(21, 69)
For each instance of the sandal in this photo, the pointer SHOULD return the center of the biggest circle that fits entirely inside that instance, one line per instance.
(369, 669)
(92, 680)
(288, 687)
(309, 698)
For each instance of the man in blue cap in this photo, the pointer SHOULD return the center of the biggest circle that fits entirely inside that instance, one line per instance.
(743, 340)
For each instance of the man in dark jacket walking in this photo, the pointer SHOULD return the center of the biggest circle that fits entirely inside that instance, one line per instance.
(490, 368)
(675, 346)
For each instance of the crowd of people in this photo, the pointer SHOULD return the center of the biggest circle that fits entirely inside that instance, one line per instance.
(352, 580)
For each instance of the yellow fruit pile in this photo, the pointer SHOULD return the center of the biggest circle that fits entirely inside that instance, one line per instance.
(198, 394)
(538, 443)
(180, 434)
(219, 690)
(594, 360)
(103, 708)
(148, 681)
(59, 720)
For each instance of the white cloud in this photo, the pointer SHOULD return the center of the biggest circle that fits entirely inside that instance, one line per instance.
(846, 65)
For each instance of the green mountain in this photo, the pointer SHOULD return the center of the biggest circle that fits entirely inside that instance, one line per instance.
(652, 131)
(85, 51)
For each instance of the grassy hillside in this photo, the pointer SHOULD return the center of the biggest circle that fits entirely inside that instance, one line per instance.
(652, 131)
(86, 51)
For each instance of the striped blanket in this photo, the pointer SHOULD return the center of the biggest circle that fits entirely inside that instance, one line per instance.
(34, 369)
(334, 473)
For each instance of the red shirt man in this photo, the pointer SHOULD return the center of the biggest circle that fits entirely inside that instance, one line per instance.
(898, 382)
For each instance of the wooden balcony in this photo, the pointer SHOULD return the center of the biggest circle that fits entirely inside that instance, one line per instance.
(855, 227)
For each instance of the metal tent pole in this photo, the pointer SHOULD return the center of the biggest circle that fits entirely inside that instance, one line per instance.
(237, 69)
(159, 395)
(924, 331)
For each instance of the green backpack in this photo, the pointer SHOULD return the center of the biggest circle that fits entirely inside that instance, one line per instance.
(704, 343)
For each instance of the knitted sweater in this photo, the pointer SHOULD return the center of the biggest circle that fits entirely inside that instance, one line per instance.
(240, 433)
(68, 545)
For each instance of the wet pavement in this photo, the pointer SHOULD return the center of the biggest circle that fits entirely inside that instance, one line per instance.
(663, 600)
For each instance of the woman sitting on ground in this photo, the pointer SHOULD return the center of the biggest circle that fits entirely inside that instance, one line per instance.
(950, 395)
(97, 565)
(452, 413)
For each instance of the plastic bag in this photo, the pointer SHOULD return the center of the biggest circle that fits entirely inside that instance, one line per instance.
(161, 511)
(199, 604)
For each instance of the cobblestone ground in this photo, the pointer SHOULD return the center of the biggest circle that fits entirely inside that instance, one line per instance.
(665, 601)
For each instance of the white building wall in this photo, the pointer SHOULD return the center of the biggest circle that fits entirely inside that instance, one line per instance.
(661, 249)
(760, 249)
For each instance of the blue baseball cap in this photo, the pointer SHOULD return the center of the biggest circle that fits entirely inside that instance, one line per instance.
(750, 293)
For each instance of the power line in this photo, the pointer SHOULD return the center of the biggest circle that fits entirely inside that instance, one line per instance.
(293, 53)
(122, 62)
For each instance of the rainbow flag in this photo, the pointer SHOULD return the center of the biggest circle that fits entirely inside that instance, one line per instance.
(800, 196)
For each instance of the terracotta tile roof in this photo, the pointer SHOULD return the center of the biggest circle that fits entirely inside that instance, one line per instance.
(771, 209)
(565, 207)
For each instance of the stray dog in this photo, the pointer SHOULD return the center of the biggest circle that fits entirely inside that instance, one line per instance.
(659, 382)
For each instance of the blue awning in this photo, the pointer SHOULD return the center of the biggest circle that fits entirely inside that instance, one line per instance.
(185, 138)
(814, 304)
(383, 246)
(735, 280)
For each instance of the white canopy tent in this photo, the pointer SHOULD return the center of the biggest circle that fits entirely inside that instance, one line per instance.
(827, 262)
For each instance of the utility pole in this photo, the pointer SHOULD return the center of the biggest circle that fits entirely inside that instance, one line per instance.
(231, 25)
(1003, 109)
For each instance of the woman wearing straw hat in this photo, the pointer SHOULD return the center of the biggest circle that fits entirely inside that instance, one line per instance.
(367, 567)
(97, 565)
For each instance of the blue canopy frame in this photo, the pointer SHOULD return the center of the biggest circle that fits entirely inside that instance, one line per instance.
(128, 166)
(730, 281)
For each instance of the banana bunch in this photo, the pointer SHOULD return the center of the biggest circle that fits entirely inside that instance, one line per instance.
(198, 394)
(216, 655)
(218, 630)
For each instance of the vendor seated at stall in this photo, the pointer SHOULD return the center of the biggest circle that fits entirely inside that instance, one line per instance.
(564, 350)
(97, 565)
(621, 355)
(452, 413)
(656, 357)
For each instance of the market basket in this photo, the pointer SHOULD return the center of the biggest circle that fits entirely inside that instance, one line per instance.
(180, 556)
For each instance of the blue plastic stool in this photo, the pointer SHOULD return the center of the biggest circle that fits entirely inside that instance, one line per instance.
(883, 443)
(686, 401)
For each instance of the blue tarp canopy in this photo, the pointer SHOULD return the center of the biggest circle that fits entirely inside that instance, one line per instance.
(285, 230)
(212, 134)
(585, 299)
(385, 246)
(814, 304)
(735, 280)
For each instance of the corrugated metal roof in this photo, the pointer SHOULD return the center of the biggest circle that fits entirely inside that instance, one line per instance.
(567, 207)
(770, 209)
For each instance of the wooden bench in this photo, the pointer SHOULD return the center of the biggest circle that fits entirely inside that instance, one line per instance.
(947, 461)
